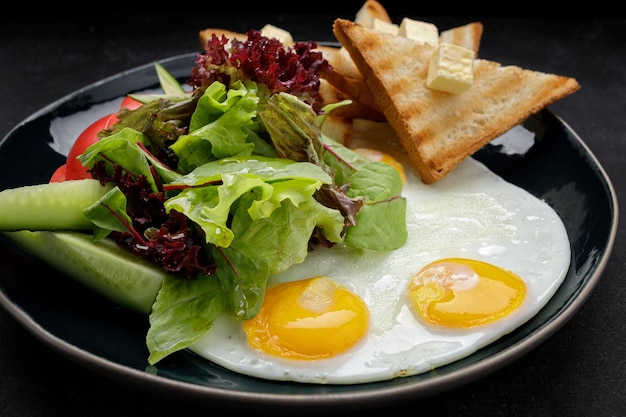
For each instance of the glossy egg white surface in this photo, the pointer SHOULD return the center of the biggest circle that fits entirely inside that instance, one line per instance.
(471, 213)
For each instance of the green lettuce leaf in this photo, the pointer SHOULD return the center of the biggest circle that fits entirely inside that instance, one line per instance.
(109, 214)
(213, 188)
(219, 126)
(125, 148)
(282, 239)
(184, 310)
(296, 133)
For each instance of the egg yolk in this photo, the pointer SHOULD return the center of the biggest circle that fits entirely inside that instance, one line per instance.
(378, 156)
(310, 319)
(463, 293)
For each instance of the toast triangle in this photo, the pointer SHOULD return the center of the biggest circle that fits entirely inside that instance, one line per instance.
(438, 129)
(468, 36)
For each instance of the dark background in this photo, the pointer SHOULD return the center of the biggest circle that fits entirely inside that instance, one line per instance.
(579, 371)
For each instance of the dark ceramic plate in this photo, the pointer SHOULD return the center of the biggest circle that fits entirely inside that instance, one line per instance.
(557, 167)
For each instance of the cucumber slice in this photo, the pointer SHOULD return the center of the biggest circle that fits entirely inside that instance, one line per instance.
(53, 206)
(102, 266)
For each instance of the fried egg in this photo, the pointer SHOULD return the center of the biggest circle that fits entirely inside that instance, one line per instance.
(482, 257)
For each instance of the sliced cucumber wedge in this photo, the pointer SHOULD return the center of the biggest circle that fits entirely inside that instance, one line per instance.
(53, 206)
(102, 266)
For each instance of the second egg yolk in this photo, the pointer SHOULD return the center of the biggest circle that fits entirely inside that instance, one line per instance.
(314, 318)
(463, 293)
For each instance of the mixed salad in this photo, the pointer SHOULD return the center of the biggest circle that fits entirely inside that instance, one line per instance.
(220, 185)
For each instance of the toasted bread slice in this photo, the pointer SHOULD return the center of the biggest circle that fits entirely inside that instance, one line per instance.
(340, 59)
(346, 77)
(371, 10)
(355, 110)
(467, 36)
(339, 129)
(438, 129)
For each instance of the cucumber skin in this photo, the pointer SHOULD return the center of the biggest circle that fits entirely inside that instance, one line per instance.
(102, 266)
(52, 206)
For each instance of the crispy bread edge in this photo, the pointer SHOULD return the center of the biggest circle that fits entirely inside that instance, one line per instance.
(342, 30)
(432, 168)
(371, 10)
(467, 36)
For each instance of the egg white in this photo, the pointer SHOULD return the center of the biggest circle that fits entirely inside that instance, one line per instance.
(470, 213)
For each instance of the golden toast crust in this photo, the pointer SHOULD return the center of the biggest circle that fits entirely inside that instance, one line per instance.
(467, 36)
(438, 129)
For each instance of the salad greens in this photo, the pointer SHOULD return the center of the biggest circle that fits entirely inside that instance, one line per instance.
(225, 186)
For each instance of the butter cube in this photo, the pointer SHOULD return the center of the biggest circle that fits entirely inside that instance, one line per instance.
(383, 26)
(271, 31)
(420, 31)
(451, 68)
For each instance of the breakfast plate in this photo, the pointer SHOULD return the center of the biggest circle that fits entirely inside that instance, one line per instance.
(554, 164)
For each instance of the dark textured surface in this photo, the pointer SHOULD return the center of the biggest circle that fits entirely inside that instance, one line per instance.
(579, 371)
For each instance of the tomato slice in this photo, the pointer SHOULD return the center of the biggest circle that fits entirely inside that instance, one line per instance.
(130, 103)
(59, 174)
(73, 169)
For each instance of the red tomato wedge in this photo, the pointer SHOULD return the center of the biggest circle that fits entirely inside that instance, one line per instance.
(130, 103)
(73, 169)
(59, 174)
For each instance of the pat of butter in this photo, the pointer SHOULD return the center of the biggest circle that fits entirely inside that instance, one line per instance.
(383, 26)
(271, 31)
(451, 68)
(420, 31)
